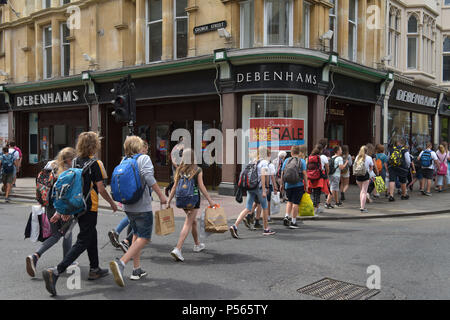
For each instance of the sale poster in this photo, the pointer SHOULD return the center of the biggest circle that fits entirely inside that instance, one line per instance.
(263, 132)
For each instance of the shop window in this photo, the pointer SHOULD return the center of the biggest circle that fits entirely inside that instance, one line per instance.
(278, 22)
(33, 138)
(306, 23)
(352, 29)
(162, 144)
(181, 29)
(65, 50)
(399, 125)
(47, 54)
(44, 144)
(333, 25)
(59, 138)
(286, 112)
(154, 30)
(444, 129)
(446, 60)
(247, 24)
(421, 130)
(412, 42)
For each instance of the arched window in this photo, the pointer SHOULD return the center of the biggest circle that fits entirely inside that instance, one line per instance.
(412, 42)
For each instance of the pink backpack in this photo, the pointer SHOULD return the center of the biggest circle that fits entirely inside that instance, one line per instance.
(442, 170)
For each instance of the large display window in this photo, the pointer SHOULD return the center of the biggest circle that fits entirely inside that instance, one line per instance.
(262, 112)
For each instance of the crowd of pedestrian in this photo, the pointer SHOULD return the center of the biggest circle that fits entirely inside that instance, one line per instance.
(290, 176)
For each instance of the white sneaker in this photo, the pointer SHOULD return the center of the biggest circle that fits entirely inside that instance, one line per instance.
(199, 248)
(176, 254)
(320, 210)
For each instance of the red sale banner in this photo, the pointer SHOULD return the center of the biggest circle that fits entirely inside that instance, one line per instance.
(290, 132)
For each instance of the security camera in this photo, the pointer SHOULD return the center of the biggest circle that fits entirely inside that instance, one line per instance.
(3, 73)
(327, 35)
(387, 58)
(87, 57)
(224, 33)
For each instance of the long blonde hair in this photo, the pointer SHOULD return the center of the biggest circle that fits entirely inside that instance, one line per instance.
(188, 166)
(64, 155)
(442, 149)
(362, 154)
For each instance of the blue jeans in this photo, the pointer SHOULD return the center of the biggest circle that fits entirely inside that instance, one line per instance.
(141, 223)
(122, 224)
(256, 194)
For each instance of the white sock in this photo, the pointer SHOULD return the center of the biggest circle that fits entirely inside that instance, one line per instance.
(286, 215)
(123, 264)
(294, 220)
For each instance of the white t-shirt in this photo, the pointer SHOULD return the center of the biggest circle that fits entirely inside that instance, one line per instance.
(323, 160)
(263, 164)
(338, 161)
(433, 158)
(15, 153)
(272, 172)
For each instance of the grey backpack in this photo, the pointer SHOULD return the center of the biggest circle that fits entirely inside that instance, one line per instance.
(291, 173)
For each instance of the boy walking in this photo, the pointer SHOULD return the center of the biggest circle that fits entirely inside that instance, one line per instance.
(8, 163)
(336, 165)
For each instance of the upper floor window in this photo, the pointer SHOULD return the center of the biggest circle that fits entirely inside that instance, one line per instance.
(447, 3)
(247, 24)
(446, 60)
(181, 29)
(154, 30)
(2, 43)
(352, 29)
(46, 4)
(306, 23)
(428, 44)
(393, 38)
(278, 22)
(65, 50)
(47, 54)
(412, 42)
(333, 25)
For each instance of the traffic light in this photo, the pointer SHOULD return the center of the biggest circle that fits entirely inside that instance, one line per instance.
(125, 102)
(121, 108)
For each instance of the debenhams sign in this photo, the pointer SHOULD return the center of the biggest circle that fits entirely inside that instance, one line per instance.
(48, 98)
(411, 97)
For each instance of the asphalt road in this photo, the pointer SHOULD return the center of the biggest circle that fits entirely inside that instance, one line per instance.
(412, 254)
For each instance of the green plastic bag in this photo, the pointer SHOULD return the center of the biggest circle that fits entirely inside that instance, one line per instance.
(306, 207)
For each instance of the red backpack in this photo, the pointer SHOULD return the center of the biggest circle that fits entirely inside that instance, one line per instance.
(313, 168)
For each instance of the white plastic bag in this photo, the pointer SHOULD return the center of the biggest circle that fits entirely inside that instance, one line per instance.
(275, 203)
(203, 233)
(35, 229)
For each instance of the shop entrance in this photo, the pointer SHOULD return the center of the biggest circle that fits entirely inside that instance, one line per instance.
(348, 124)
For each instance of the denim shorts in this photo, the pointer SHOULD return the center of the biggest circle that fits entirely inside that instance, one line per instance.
(141, 223)
(256, 194)
(295, 195)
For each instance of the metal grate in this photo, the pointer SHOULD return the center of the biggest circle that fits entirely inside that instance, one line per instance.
(331, 289)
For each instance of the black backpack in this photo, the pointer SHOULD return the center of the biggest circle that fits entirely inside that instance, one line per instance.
(332, 166)
(249, 180)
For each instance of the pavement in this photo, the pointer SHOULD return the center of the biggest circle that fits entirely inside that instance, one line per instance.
(417, 205)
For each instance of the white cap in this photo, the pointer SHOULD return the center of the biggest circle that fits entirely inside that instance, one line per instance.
(282, 154)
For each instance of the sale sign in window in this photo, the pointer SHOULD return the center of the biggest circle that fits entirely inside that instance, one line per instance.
(281, 132)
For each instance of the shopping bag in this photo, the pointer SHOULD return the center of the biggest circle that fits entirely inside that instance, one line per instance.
(275, 203)
(203, 233)
(164, 222)
(36, 211)
(306, 207)
(215, 220)
(380, 186)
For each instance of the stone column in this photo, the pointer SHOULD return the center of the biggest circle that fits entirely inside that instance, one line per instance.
(95, 118)
(167, 30)
(377, 124)
(298, 21)
(318, 119)
(343, 28)
(11, 126)
(229, 121)
(56, 49)
(140, 32)
(38, 52)
(259, 23)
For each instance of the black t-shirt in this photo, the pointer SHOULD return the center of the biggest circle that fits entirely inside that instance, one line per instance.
(95, 173)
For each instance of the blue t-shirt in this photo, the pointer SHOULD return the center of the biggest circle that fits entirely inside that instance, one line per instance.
(384, 159)
(302, 168)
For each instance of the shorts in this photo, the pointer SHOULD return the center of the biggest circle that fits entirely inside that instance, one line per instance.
(440, 180)
(295, 195)
(399, 173)
(428, 173)
(7, 178)
(419, 174)
(256, 194)
(334, 183)
(363, 178)
(269, 193)
(141, 223)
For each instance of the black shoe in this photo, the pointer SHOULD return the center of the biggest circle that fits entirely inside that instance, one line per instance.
(114, 238)
(124, 246)
(405, 197)
(50, 279)
(391, 199)
(339, 204)
(247, 221)
(328, 206)
(342, 196)
(31, 262)
(286, 221)
(293, 226)
(233, 231)
(257, 225)
(97, 273)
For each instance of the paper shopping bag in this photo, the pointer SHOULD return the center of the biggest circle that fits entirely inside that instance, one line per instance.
(164, 222)
(215, 220)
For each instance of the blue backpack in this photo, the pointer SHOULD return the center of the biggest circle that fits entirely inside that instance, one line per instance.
(67, 192)
(126, 186)
(8, 163)
(187, 193)
(425, 159)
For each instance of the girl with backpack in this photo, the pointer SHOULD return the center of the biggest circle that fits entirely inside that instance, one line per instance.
(363, 165)
(8, 164)
(188, 176)
(62, 163)
(442, 169)
(429, 161)
(315, 171)
(345, 173)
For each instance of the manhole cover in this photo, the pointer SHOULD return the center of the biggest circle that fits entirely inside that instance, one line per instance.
(330, 289)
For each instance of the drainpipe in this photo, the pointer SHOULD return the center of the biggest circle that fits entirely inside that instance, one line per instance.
(386, 112)
(436, 120)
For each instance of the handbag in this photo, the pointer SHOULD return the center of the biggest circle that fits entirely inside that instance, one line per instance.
(164, 222)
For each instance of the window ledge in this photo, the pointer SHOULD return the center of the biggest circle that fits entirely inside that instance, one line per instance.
(191, 9)
(26, 49)
(121, 26)
(70, 38)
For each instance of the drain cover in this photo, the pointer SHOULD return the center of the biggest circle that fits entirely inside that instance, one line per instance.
(330, 289)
